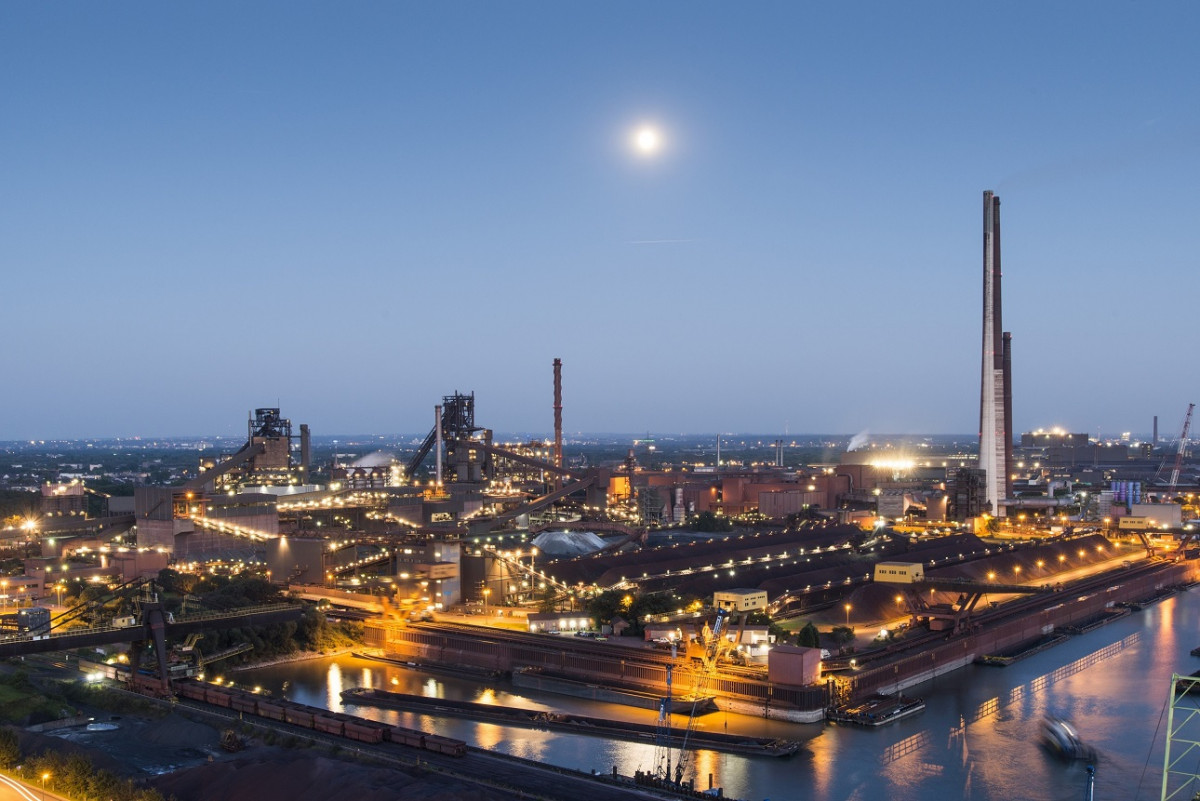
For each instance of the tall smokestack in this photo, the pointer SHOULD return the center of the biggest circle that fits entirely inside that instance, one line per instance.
(1154, 441)
(1008, 417)
(993, 423)
(558, 420)
(437, 422)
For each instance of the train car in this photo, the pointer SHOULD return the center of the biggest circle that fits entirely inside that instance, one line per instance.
(329, 724)
(364, 732)
(147, 685)
(218, 697)
(298, 716)
(190, 690)
(403, 736)
(270, 710)
(245, 703)
(445, 745)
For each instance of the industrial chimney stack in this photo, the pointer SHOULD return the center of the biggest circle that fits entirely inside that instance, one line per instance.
(995, 395)
(558, 462)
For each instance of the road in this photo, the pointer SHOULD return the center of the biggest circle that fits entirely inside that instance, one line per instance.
(13, 790)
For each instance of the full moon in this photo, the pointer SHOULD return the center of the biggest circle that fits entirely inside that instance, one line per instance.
(647, 140)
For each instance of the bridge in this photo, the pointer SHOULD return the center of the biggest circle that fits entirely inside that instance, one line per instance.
(155, 626)
(957, 616)
(354, 600)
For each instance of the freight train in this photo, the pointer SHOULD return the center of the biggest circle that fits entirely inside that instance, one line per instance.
(317, 719)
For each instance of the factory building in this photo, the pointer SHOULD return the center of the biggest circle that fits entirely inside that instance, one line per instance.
(1055, 438)
(63, 499)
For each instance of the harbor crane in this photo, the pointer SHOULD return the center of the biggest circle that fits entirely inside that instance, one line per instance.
(663, 768)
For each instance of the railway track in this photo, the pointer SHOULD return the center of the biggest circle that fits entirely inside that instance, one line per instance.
(521, 777)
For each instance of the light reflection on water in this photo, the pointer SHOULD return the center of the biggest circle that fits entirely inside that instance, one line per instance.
(976, 739)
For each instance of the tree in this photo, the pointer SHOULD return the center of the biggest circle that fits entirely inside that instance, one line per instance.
(10, 749)
(842, 635)
(602, 607)
(808, 637)
(654, 603)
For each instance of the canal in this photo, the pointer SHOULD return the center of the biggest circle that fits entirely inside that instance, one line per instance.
(976, 739)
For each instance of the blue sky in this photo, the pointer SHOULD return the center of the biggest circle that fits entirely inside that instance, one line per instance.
(351, 209)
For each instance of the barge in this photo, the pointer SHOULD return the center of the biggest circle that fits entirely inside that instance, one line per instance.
(574, 724)
(536, 679)
(1006, 659)
(878, 710)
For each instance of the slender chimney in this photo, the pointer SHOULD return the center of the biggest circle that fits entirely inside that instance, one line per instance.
(1008, 417)
(558, 413)
(437, 422)
(1154, 441)
(993, 426)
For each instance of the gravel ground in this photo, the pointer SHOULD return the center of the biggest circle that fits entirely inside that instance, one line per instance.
(141, 747)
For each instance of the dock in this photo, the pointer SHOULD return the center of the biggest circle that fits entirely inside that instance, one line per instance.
(573, 724)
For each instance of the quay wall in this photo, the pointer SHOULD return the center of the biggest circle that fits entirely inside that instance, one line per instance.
(630, 668)
(622, 667)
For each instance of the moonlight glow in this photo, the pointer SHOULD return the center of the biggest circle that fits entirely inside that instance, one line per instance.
(647, 141)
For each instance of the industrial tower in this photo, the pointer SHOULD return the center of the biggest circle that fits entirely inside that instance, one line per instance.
(995, 390)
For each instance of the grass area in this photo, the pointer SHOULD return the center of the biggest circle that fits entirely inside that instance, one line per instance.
(111, 700)
(22, 704)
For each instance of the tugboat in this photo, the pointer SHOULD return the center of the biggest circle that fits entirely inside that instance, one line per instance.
(1062, 740)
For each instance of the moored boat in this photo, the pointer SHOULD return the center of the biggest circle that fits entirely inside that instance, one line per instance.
(878, 710)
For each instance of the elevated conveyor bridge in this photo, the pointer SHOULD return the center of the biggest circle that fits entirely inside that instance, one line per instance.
(956, 616)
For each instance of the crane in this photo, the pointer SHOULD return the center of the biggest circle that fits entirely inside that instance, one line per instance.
(662, 733)
(708, 667)
(1187, 423)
